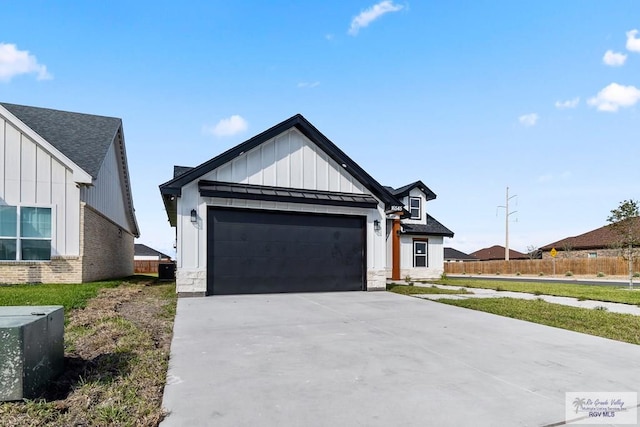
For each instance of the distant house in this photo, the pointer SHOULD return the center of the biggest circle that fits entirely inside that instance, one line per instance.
(454, 255)
(66, 210)
(289, 211)
(145, 253)
(597, 243)
(497, 253)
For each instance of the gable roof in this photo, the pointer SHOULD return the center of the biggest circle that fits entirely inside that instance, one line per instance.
(144, 250)
(496, 252)
(173, 188)
(404, 190)
(81, 141)
(432, 228)
(83, 138)
(600, 238)
(451, 253)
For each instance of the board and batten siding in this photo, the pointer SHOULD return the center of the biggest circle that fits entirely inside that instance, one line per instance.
(31, 176)
(106, 194)
(288, 160)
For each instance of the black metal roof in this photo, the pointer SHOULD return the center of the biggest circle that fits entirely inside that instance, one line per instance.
(284, 194)
(404, 190)
(432, 228)
(173, 188)
(83, 138)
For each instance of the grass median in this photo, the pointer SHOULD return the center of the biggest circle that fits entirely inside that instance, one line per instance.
(599, 322)
(581, 292)
(415, 290)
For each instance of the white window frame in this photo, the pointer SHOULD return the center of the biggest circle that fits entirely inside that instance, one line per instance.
(411, 208)
(18, 237)
(425, 255)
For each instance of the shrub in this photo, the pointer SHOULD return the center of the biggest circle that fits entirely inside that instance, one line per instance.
(541, 274)
(499, 288)
(636, 274)
(497, 273)
(600, 274)
(443, 276)
(568, 273)
(517, 273)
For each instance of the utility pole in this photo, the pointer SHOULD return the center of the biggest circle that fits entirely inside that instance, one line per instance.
(506, 224)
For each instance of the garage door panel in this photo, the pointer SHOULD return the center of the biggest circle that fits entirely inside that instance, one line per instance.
(262, 252)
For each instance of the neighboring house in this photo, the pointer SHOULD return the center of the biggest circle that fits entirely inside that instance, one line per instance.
(145, 253)
(66, 211)
(597, 243)
(454, 255)
(497, 253)
(288, 211)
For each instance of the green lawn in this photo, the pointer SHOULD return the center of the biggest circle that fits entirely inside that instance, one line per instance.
(413, 290)
(598, 293)
(620, 327)
(69, 295)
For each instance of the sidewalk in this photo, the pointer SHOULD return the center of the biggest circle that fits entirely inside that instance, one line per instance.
(612, 307)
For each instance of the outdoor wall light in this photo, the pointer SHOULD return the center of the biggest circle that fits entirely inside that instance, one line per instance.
(194, 216)
(376, 225)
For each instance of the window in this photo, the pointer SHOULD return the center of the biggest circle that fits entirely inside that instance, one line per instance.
(414, 207)
(592, 255)
(420, 257)
(25, 233)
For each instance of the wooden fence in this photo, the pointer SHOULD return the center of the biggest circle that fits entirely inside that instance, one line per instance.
(609, 266)
(146, 266)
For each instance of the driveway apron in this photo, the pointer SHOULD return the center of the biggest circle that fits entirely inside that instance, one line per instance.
(377, 359)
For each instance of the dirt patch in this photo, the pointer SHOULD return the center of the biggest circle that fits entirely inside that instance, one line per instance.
(116, 356)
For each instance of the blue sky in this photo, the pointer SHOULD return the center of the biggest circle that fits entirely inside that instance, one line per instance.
(468, 96)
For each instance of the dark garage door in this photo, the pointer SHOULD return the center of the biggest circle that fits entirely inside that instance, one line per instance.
(253, 251)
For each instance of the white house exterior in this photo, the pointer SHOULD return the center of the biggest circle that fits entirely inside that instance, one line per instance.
(66, 211)
(286, 211)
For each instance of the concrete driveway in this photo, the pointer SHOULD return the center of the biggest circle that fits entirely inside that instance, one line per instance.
(377, 359)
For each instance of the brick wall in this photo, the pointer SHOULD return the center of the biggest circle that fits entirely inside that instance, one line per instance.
(600, 253)
(106, 252)
(106, 248)
(58, 270)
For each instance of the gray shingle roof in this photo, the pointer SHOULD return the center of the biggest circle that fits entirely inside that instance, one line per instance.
(144, 250)
(404, 190)
(451, 253)
(179, 170)
(83, 138)
(432, 227)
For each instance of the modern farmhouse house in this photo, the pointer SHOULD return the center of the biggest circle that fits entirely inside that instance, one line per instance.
(66, 211)
(288, 211)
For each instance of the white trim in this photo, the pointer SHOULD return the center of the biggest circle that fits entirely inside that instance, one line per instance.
(79, 175)
(419, 199)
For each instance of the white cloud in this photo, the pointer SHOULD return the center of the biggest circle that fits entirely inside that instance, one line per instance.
(569, 103)
(614, 59)
(545, 178)
(633, 43)
(14, 62)
(227, 127)
(367, 16)
(550, 177)
(615, 96)
(528, 120)
(308, 84)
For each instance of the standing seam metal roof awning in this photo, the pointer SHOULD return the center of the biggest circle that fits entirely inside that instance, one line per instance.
(284, 194)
